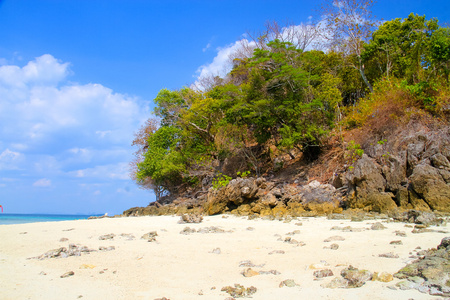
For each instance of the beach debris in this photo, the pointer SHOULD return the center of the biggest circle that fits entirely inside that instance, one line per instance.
(63, 239)
(107, 236)
(216, 251)
(109, 248)
(70, 229)
(23, 232)
(323, 273)
(429, 274)
(334, 238)
(42, 273)
(377, 226)
(239, 291)
(322, 265)
(332, 247)
(163, 298)
(389, 255)
(150, 236)
(288, 283)
(383, 277)
(276, 252)
(249, 272)
(67, 274)
(299, 224)
(250, 228)
(249, 264)
(190, 218)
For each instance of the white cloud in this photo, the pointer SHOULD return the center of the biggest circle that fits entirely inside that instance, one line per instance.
(44, 182)
(9, 160)
(118, 171)
(51, 128)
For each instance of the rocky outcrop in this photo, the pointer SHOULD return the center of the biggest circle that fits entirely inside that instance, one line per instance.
(412, 171)
(257, 196)
(430, 274)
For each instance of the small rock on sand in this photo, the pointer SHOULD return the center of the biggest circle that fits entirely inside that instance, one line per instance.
(334, 238)
(377, 226)
(288, 283)
(67, 274)
(323, 273)
(389, 255)
(107, 236)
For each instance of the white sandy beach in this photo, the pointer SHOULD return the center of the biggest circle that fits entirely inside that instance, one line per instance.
(179, 266)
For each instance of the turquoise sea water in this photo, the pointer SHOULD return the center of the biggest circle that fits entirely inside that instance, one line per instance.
(7, 219)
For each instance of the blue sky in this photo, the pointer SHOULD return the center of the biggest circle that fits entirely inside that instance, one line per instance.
(77, 79)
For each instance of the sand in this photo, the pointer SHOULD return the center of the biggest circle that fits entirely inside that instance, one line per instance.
(178, 266)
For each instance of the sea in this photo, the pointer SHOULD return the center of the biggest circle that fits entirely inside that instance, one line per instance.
(8, 219)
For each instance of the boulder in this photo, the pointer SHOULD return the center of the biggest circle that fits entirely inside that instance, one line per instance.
(365, 178)
(427, 183)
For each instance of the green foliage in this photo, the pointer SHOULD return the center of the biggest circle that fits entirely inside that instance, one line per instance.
(243, 174)
(163, 162)
(286, 98)
(220, 180)
(354, 151)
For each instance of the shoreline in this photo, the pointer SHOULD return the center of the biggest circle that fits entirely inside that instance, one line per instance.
(188, 264)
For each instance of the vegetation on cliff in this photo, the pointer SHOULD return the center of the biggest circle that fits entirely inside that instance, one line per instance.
(284, 97)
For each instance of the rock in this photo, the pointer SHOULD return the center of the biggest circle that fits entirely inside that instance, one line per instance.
(150, 236)
(211, 229)
(237, 192)
(187, 230)
(109, 248)
(191, 218)
(63, 239)
(377, 226)
(276, 252)
(334, 238)
(429, 185)
(239, 291)
(248, 263)
(356, 278)
(439, 161)
(128, 236)
(364, 179)
(337, 282)
(107, 236)
(67, 274)
(432, 271)
(271, 272)
(383, 277)
(323, 273)
(418, 217)
(288, 283)
(389, 255)
(249, 272)
(216, 251)
(398, 242)
(332, 247)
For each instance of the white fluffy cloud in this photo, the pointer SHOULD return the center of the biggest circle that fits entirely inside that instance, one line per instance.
(54, 126)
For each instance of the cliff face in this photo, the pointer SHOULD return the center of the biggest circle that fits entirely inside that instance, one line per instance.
(405, 168)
